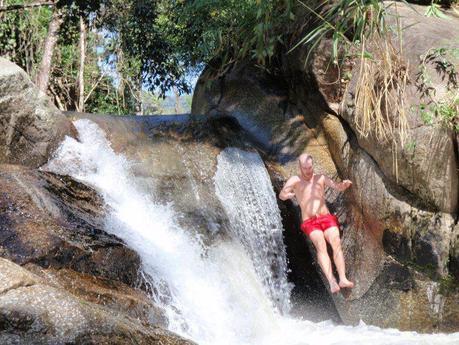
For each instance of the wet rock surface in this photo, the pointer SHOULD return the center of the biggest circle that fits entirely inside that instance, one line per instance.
(55, 221)
(63, 278)
(400, 237)
(309, 296)
(176, 159)
(37, 310)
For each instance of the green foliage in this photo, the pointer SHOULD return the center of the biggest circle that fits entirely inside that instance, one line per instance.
(441, 58)
(153, 43)
(134, 51)
(188, 100)
(134, 31)
(448, 285)
(410, 146)
(22, 34)
(347, 22)
(222, 32)
(434, 9)
(139, 45)
(107, 99)
(446, 109)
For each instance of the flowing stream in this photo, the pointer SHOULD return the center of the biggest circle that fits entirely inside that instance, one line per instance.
(233, 292)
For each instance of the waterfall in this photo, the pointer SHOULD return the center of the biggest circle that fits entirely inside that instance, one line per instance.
(220, 294)
(244, 188)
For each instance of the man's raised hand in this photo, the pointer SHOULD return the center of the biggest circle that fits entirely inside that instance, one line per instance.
(346, 184)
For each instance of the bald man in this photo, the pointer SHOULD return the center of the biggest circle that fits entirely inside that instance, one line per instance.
(318, 223)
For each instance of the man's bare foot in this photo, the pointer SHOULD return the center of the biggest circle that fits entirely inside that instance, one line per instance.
(346, 284)
(334, 287)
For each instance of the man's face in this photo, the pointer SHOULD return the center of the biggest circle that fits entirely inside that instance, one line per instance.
(306, 165)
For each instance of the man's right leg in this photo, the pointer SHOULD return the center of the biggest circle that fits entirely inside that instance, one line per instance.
(318, 239)
(332, 236)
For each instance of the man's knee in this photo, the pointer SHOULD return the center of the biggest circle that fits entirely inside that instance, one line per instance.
(335, 242)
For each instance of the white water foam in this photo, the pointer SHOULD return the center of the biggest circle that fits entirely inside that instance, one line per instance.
(244, 188)
(210, 295)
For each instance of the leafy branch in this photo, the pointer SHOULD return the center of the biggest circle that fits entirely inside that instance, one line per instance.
(445, 109)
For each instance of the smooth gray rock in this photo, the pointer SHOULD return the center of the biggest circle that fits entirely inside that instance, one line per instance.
(31, 127)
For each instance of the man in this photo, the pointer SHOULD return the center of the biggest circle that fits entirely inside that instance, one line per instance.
(321, 226)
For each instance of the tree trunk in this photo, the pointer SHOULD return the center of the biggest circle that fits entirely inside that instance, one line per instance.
(141, 97)
(80, 105)
(57, 99)
(1, 6)
(50, 42)
(177, 100)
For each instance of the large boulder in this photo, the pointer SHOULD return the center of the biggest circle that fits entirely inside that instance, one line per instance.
(260, 104)
(397, 254)
(55, 221)
(399, 226)
(31, 127)
(37, 310)
(404, 197)
(426, 164)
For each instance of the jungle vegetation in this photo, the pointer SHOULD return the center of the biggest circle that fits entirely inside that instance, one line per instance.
(124, 57)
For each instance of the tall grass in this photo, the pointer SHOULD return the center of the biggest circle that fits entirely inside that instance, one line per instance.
(380, 92)
(380, 96)
(358, 31)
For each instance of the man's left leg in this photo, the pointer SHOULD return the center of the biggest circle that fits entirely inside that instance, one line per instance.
(332, 236)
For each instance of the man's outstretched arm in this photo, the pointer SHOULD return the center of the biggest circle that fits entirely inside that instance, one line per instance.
(287, 191)
(340, 186)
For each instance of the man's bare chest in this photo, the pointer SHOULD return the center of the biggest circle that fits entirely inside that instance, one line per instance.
(309, 190)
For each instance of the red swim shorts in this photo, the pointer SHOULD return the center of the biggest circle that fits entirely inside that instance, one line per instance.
(321, 222)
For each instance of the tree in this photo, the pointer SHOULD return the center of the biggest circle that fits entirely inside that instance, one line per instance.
(137, 29)
(55, 23)
(22, 33)
(80, 105)
(219, 33)
(103, 51)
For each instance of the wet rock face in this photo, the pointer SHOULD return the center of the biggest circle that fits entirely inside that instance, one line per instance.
(176, 159)
(55, 221)
(309, 296)
(400, 233)
(389, 235)
(62, 278)
(37, 309)
(245, 90)
(409, 218)
(31, 127)
(281, 131)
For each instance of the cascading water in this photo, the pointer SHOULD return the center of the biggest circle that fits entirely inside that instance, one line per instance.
(216, 295)
(244, 188)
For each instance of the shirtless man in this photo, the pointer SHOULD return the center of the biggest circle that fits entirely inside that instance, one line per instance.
(318, 223)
